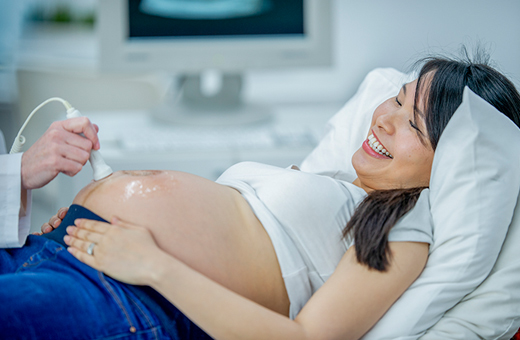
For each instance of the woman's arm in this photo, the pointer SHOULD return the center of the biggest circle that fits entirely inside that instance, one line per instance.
(346, 307)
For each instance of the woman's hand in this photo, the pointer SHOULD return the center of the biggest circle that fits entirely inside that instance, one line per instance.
(54, 221)
(122, 250)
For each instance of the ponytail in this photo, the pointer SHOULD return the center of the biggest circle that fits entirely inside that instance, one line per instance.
(372, 221)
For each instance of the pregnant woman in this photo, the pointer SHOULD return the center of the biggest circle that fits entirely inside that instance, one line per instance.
(262, 253)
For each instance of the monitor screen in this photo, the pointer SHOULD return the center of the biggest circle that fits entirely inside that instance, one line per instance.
(186, 38)
(189, 19)
(229, 35)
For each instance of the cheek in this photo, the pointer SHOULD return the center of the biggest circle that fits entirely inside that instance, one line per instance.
(427, 169)
(418, 163)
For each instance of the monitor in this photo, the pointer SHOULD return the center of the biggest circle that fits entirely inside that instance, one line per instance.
(188, 38)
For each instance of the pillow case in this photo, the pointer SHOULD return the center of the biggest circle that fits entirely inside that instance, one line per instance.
(492, 311)
(473, 192)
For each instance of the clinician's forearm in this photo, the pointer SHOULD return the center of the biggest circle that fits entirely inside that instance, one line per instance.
(220, 312)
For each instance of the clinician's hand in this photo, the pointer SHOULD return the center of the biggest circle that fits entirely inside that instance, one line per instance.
(60, 149)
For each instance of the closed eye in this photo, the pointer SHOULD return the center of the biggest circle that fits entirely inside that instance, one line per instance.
(412, 124)
(398, 102)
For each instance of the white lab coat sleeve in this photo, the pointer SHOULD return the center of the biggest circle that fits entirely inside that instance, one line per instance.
(15, 214)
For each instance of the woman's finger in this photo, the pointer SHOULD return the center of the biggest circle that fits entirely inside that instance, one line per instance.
(62, 212)
(84, 257)
(77, 243)
(54, 221)
(92, 225)
(84, 235)
(46, 228)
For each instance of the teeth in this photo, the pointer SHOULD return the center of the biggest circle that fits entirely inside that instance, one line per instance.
(377, 147)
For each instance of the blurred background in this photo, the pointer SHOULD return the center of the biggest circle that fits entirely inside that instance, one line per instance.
(51, 48)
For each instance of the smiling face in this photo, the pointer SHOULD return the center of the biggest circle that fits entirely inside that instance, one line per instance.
(397, 152)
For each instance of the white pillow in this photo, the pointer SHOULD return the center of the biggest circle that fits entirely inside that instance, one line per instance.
(473, 191)
(492, 311)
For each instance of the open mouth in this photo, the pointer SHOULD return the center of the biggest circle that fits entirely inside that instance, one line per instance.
(377, 146)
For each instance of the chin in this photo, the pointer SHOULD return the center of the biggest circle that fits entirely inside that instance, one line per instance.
(364, 164)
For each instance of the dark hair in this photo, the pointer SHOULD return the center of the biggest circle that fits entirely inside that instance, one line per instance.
(441, 81)
(446, 86)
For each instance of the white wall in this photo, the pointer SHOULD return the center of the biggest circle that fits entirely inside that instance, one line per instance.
(367, 34)
(382, 33)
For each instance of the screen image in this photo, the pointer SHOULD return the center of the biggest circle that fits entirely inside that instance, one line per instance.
(183, 19)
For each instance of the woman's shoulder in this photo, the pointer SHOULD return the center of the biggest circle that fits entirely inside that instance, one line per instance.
(417, 224)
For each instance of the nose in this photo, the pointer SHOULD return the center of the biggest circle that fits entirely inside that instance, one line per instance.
(387, 121)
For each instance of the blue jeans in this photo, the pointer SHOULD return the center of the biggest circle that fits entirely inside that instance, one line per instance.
(46, 293)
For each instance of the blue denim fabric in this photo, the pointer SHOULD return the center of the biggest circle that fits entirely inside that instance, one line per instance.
(174, 323)
(45, 293)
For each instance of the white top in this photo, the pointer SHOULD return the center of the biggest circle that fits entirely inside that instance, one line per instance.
(304, 215)
(13, 227)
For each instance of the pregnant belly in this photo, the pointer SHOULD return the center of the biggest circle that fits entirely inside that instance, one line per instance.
(208, 226)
